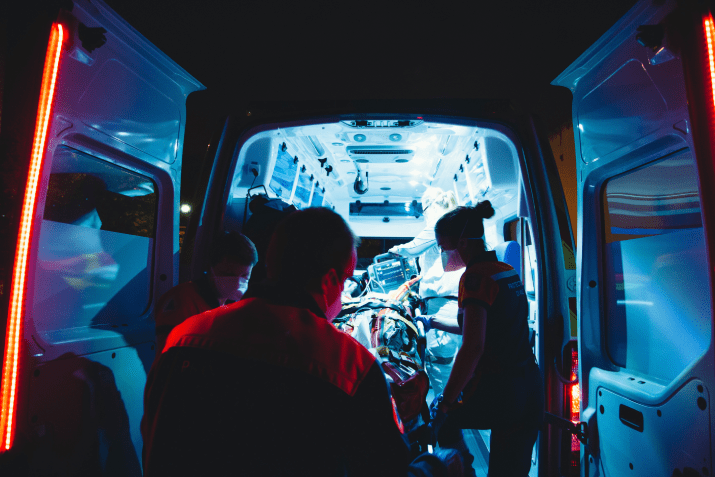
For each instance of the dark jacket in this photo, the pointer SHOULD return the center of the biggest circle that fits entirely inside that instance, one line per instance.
(496, 287)
(268, 387)
(181, 302)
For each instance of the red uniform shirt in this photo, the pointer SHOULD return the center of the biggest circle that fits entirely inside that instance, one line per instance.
(178, 304)
(267, 386)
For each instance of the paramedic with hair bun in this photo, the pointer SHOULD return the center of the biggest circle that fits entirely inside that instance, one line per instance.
(269, 387)
(495, 371)
(438, 289)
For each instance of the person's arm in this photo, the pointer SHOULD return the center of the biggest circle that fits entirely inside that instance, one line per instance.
(450, 325)
(374, 440)
(473, 339)
(414, 248)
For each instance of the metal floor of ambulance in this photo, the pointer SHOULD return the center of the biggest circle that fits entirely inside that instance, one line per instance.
(478, 443)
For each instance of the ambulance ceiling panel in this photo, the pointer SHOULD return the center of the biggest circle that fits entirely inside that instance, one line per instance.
(338, 164)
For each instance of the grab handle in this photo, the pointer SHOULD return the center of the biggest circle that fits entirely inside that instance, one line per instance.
(631, 418)
(385, 256)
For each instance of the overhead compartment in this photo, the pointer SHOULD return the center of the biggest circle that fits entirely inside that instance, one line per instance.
(380, 154)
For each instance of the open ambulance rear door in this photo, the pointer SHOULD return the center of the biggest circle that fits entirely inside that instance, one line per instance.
(644, 123)
(97, 245)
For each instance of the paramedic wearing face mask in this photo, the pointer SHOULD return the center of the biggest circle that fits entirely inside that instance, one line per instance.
(495, 370)
(438, 289)
(233, 258)
(268, 386)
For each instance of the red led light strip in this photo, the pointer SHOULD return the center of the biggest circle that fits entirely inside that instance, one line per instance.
(8, 392)
(575, 392)
(710, 36)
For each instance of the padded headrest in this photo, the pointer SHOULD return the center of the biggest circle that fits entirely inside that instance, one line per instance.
(510, 253)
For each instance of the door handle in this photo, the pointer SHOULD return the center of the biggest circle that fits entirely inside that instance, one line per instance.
(631, 418)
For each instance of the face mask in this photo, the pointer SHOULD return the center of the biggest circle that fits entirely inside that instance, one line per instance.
(229, 288)
(451, 260)
(332, 310)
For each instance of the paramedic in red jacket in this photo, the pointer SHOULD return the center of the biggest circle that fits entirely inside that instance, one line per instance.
(232, 259)
(268, 387)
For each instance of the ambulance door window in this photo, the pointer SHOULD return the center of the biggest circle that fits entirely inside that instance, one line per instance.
(657, 297)
(96, 247)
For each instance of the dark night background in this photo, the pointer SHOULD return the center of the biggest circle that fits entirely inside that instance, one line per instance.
(325, 50)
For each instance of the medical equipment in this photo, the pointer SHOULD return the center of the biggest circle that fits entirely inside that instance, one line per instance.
(389, 271)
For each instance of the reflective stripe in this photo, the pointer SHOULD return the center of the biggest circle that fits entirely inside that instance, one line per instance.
(505, 274)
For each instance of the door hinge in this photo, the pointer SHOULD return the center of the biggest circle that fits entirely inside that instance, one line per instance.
(579, 429)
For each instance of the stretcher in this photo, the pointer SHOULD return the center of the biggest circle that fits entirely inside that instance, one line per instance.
(384, 323)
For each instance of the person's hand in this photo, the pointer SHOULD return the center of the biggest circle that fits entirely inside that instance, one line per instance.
(394, 252)
(437, 415)
(426, 322)
(436, 407)
(448, 462)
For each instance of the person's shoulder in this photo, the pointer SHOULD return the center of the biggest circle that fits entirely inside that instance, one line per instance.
(195, 325)
(177, 304)
(296, 337)
(488, 269)
(344, 340)
(346, 362)
(179, 291)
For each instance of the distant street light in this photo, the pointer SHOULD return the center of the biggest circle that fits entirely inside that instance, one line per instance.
(185, 208)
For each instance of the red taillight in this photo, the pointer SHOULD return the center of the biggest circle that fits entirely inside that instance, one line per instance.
(571, 447)
(575, 399)
(709, 28)
(8, 392)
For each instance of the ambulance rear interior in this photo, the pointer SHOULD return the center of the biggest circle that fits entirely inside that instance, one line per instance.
(373, 172)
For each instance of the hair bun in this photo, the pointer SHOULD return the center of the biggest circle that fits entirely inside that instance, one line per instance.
(484, 209)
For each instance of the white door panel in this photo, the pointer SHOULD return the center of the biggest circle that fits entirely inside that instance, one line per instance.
(103, 248)
(643, 280)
